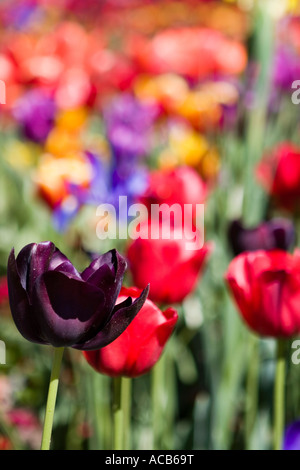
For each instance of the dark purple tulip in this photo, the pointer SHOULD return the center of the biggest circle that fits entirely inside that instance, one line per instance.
(276, 233)
(52, 303)
(291, 439)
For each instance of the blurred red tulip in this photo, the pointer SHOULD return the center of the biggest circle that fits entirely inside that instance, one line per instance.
(75, 89)
(279, 173)
(3, 290)
(27, 425)
(181, 185)
(170, 265)
(7, 69)
(266, 288)
(139, 347)
(5, 443)
(193, 52)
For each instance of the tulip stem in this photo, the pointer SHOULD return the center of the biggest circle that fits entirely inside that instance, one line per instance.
(158, 409)
(121, 412)
(126, 389)
(51, 400)
(252, 390)
(279, 395)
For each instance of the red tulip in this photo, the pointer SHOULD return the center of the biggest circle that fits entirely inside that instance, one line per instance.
(169, 264)
(279, 173)
(196, 53)
(180, 185)
(3, 290)
(137, 349)
(266, 288)
(5, 443)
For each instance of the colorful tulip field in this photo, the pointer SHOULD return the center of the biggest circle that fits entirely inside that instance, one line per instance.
(150, 225)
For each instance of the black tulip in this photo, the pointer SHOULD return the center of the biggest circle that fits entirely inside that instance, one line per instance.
(52, 303)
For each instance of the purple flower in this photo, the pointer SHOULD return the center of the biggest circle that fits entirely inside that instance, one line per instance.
(128, 123)
(291, 439)
(286, 68)
(21, 15)
(35, 112)
(52, 303)
(276, 233)
(126, 110)
(65, 212)
(107, 184)
(127, 144)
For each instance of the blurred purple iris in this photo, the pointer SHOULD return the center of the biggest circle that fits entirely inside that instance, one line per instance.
(129, 125)
(108, 183)
(128, 128)
(35, 113)
(286, 68)
(52, 303)
(20, 14)
(276, 233)
(291, 439)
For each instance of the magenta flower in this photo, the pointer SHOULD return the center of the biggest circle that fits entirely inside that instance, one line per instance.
(35, 112)
(52, 303)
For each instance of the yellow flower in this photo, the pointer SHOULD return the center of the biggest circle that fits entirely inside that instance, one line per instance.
(72, 119)
(293, 6)
(61, 142)
(200, 109)
(21, 155)
(53, 174)
(210, 164)
(169, 90)
(188, 147)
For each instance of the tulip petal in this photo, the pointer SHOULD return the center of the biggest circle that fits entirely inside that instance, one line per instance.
(68, 309)
(59, 262)
(67, 268)
(108, 259)
(108, 277)
(22, 263)
(36, 258)
(152, 342)
(19, 303)
(121, 317)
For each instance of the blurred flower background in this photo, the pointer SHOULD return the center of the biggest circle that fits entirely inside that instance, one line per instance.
(160, 101)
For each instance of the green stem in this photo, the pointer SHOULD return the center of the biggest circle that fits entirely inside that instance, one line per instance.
(102, 412)
(279, 395)
(51, 400)
(121, 412)
(99, 410)
(126, 389)
(158, 412)
(252, 390)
